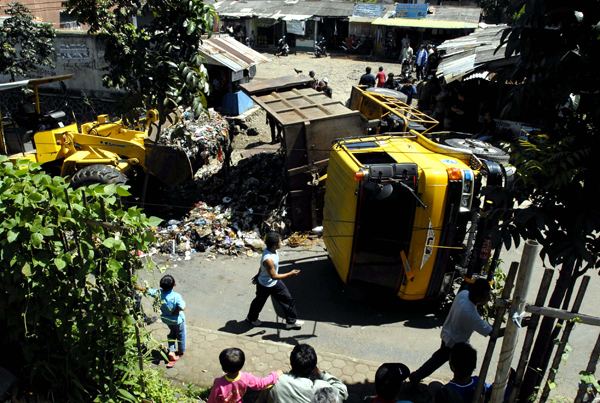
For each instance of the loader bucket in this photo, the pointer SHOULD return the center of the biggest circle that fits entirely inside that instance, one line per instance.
(171, 165)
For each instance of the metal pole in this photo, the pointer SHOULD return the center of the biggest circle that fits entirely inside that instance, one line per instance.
(565, 338)
(531, 329)
(487, 358)
(530, 252)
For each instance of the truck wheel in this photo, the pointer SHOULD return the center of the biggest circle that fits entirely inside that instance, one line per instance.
(480, 149)
(103, 174)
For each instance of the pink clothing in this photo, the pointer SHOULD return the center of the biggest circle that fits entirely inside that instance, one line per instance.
(225, 390)
(380, 78)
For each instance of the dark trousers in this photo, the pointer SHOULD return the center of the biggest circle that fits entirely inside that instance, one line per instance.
(419, 72)
(281, 294)
(438, 359)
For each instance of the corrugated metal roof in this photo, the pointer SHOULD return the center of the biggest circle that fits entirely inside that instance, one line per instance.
(424, 23)
(226, 51)
(468, 53)
(362, 20)
(279, 9)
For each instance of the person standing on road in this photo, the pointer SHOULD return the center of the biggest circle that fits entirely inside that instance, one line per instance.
(268, 283)
(460, 324)
(420, 61)
(367, 79)
(380, 77)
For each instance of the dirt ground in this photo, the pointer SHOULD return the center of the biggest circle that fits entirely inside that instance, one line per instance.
(343, 71)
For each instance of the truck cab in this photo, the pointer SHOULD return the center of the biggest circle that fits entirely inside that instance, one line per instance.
(401, 210)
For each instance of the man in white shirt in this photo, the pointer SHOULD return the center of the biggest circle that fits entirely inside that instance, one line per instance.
(463, 319)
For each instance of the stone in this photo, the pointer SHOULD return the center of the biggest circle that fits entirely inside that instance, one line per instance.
(337, 363)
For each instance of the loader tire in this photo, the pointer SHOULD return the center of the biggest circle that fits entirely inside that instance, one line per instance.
(480, 149)
(103, 174)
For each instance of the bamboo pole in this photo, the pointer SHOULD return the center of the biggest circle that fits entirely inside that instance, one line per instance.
(530, 252)
(556, 313)
(531, 329)
(487, 358)
(591, 369)
(565, 338)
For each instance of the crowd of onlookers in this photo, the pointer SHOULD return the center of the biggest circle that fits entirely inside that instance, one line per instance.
(305, 382)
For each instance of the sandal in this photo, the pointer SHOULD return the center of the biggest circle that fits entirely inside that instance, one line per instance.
(172, 361)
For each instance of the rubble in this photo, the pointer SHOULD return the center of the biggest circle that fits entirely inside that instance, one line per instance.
(231, 215)
(206, 136)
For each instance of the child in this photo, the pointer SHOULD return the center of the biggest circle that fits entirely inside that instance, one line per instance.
(172, 306)
(388, 381)
(268, 283)
(380, 77)
(232, 387)
(463, 360)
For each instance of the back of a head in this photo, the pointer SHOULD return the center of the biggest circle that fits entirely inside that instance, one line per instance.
(391, 75)
(389, 378)
(232, 360)
(463, 359)
(272, 239)
(380, 68)
(479, 291)
(167, 282)
(368, 70)
(325, 395)
(448, 394)
(303, 360)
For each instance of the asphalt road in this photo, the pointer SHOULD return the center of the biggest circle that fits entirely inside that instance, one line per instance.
(354, 323)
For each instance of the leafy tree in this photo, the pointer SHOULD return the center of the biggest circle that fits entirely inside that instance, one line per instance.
(495, 11)
(159, 61)
(66, 284)
(556, 182)
(24, 43)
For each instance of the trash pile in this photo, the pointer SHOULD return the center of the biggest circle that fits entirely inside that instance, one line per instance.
(203, 137)
(232, 214)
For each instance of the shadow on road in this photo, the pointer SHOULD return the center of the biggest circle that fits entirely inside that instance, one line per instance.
(321, 297)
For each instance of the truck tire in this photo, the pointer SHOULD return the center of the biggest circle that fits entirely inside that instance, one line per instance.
(480, 149)
(103, 174)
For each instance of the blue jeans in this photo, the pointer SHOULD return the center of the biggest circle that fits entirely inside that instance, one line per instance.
(177, 334)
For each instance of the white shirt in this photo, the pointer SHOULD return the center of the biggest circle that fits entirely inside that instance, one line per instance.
(462, 321)
(264, 278)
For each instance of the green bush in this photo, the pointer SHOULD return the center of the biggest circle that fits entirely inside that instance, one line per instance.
(66, 283)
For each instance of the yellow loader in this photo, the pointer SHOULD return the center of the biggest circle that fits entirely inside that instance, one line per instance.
(98, 152)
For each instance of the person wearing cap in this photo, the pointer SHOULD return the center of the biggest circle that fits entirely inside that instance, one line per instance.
(324, 86)
(314, 82)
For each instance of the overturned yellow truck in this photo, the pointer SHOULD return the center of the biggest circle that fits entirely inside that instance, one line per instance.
(399, 210)
(398, 207)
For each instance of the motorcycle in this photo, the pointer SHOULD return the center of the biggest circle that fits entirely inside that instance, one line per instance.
(283, 47)
(320, 48)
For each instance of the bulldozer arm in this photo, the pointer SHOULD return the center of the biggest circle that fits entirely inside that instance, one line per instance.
(170, 165)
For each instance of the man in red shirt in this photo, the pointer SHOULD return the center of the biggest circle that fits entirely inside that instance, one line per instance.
(380, 77)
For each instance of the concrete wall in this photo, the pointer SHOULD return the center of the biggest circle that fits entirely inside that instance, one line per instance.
(75, 53)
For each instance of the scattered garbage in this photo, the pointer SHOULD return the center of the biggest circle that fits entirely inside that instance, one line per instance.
(233, 211)
(299, 239)
(205, 137)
